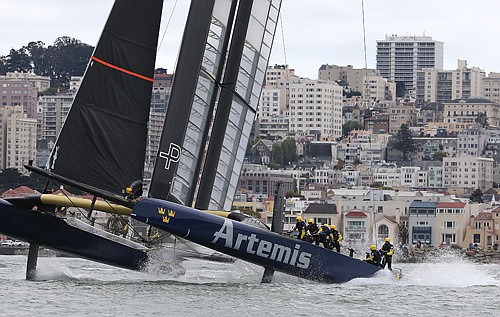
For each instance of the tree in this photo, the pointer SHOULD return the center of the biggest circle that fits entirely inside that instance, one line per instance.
(400, 89)
(349, 126)
(18, 61)
(403, 233)
(404, 141)
(482, 119)
(277, 154)
(476, 196)
(438, 156)
(289, 149)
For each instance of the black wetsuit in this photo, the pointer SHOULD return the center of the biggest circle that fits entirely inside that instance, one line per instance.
(323, 236)
(335, 240)
(385, 250)
(313, 232)
(374, 258)
(300, 226)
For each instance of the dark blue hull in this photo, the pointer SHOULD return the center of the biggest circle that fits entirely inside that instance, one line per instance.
(265, 248)
(54, 233)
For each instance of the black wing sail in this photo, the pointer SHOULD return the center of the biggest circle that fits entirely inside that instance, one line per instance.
(215, 39)
(103, 140)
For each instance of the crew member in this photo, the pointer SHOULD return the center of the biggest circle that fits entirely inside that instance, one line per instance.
(313, 231)
(387, 250)
(336, 237)
(324, 236)
(374, 256)
(300, 226)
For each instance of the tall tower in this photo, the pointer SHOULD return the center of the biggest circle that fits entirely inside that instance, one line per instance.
(400, 57)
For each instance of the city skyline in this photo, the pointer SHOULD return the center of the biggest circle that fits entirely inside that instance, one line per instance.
(325, 32)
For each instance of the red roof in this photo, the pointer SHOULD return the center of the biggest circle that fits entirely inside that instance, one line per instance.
(450, 205)
(20, 191)
(484, 215)
(356, 214)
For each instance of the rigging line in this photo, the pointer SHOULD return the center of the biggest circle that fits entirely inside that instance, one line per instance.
(364, 45)
(129, 223)
(166, 27)
(283, 39)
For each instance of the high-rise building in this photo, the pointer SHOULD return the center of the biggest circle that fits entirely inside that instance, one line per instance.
(52, 114)
(400, 57)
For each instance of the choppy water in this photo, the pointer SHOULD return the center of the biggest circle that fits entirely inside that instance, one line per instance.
(446, 286)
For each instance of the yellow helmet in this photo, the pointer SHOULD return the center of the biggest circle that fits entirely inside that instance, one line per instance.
(299, 218)
(310, 221)
(333, 227)
(387, 239)
(373, 247)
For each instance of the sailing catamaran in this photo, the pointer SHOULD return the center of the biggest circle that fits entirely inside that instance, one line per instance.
(218, 81)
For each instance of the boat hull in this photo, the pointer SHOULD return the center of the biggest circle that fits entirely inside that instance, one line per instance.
(55, 233)
(265, 248)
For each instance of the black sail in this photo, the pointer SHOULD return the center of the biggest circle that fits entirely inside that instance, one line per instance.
(218, 57)
(103, 140)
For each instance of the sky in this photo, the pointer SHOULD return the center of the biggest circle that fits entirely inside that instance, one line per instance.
(310, 33)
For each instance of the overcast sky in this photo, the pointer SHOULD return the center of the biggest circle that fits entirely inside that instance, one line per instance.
(314, 32)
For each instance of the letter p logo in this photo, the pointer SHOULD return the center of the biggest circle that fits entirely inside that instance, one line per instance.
(172, 155)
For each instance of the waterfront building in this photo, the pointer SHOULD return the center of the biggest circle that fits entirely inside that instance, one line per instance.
(452, 219)
(422, 222)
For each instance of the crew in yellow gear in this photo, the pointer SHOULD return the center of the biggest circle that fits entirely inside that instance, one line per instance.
(374, 256)
(313, 231)
(336, 237)
(300, 226)
(387, 250)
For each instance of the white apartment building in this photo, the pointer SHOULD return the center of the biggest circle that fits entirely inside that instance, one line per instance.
(465, 173)
(435, 176)
(52, 114)
(354, 77)
(434, 85)
(412, 176)
(491, 87)
(400, 57)
(41, 83)
(272, 102)
(315, 107)
(17, 138)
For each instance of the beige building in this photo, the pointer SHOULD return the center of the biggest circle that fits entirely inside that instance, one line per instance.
(483, 229)
(17, 138)
(491, 87)
(451, 223)
(465, 111)
(278, 76)
(403, 113)
(354, 77)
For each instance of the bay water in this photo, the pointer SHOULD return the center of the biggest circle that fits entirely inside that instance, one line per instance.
(447, 285)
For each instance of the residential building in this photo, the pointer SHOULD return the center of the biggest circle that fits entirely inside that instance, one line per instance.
(491, 87)
(464, 112)
(422, 222)
(354, 77)
(19, 91)
(434, 85)
(472, 141)
(465, 173)
(452, 219)
(315, 108)
(399, 58)
(278, 76)
(402, 113)
(52, 114)
(377, 88)
(17, 138)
